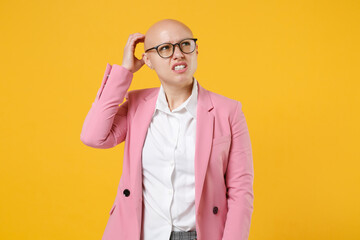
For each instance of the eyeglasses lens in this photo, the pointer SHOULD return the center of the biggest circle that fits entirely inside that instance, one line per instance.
(165, 50)
(187, 46)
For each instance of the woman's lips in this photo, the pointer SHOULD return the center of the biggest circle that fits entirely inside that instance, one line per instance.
(181, 70)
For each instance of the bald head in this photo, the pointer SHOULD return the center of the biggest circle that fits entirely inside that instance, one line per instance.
(163, 30)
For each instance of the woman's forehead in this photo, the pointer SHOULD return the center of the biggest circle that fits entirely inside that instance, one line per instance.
(166, 31)
(168, 38)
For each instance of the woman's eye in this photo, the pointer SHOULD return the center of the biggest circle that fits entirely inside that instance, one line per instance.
(164, 48)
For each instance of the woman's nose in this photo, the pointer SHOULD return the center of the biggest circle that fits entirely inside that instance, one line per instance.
(177, 52)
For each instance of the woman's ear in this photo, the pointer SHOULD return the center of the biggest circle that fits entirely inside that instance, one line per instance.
(147, 60)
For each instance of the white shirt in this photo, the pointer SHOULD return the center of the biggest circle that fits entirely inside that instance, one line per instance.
(168, 169)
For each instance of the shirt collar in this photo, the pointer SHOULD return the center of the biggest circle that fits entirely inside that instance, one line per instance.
(189, 104)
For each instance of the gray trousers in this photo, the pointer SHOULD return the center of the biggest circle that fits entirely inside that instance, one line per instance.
(191, 235)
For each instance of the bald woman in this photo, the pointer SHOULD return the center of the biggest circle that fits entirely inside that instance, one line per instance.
(187, 168)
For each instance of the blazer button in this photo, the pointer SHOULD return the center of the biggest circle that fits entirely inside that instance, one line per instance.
(215, 210)
(126, 192)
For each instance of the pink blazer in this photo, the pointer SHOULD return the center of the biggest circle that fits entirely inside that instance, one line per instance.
(223, 157)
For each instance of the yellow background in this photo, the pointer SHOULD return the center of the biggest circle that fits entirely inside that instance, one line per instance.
(294, 65)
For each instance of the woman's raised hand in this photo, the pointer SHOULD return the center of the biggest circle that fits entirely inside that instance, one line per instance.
(131, 62)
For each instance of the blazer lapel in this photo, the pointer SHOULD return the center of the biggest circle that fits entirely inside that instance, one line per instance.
(139, 127)
(203, 142)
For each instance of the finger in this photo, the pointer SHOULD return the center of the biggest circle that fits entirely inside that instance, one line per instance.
(136, 41)
(139, 34)
(139, 38)
(139, 63)
(142, 61)
(131, 38)
(136, 35)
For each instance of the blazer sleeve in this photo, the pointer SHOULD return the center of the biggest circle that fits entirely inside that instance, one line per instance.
(105, 125)
(239, 180)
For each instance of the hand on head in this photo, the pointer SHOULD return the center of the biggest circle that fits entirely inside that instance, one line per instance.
(131, 62)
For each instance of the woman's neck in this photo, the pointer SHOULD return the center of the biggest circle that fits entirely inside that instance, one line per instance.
(176, 95)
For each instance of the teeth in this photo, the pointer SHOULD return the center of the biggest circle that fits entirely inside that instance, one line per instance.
(179, 67)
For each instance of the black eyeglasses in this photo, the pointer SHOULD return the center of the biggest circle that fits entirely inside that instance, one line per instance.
(166, 50)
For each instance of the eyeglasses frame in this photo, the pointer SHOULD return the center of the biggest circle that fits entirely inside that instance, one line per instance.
(174, 46)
